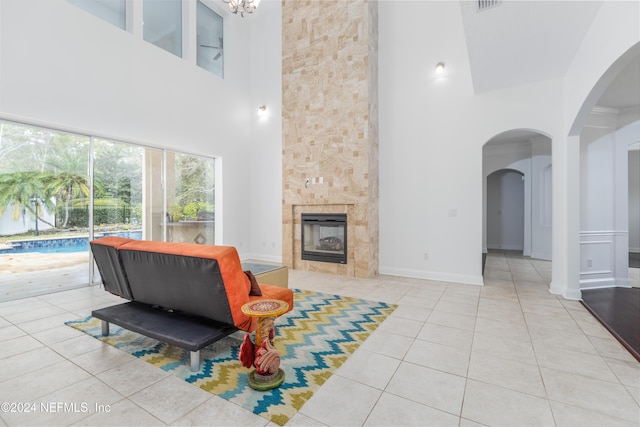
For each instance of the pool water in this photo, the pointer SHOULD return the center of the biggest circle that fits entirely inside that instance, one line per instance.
(78, 247)
(61, 245)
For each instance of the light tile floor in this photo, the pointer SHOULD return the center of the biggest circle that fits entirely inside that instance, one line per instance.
(507, 353)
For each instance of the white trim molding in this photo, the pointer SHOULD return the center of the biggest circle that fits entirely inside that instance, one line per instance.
(433, 275)
(603, 259)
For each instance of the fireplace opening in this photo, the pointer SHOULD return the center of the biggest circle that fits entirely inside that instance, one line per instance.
(324, 237)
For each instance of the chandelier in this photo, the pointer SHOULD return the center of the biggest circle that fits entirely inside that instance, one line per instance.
(242, 6)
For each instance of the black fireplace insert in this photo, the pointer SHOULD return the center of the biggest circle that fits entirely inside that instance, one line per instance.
(324, 237)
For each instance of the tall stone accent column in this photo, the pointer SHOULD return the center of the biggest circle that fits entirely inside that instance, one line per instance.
(330, 126)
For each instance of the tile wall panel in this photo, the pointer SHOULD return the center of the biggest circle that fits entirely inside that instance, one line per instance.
(330, 125)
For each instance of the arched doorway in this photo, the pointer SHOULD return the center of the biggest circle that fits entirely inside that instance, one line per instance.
(528, 153)
(606, 217)
(607, 123)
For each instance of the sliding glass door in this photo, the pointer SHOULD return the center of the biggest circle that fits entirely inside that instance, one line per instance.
(49, 213)
(44, 177)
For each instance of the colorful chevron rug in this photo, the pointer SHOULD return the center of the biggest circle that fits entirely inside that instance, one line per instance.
(313, 341)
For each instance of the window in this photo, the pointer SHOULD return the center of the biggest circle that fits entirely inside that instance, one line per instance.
(190, 198)
(163, 24)
(48, 213)
(210, 54)
(162, 27)
(112, 11)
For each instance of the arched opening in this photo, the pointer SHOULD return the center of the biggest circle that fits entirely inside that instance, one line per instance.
(607, 125)
(518, 157)
(608, 195)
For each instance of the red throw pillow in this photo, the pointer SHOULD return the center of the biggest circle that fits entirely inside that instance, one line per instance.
(255, 288)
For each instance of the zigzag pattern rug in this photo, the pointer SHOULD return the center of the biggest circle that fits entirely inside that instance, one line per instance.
(313, 341)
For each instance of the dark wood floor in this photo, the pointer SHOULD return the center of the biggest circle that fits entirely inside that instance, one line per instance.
(618, 309)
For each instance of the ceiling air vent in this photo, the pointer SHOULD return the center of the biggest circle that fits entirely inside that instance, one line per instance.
(482, 5)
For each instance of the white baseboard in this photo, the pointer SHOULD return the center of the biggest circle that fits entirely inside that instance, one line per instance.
(623, 283)
(634, 250)
(506, 247)
(571, 294)
(540, 255)
(608, 282)
(433, 275)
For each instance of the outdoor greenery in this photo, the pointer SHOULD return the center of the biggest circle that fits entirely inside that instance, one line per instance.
(195, 182)
(105, 211)
(44, 172)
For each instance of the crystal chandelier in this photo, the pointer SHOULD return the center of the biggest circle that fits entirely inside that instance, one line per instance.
(242, 6)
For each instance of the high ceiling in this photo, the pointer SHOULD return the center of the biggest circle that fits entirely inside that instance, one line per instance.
(523, 41)
(518, 42)
(624, 91)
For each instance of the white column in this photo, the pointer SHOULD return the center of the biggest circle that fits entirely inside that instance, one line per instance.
(566, 218)
(621, 212)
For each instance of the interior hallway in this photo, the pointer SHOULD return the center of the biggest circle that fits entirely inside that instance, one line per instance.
(507, 353)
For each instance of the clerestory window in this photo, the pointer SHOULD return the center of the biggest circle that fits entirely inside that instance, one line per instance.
(210, 46)
(163, 24)
(112, 11)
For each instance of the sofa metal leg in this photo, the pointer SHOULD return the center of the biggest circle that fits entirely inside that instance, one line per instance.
(195, 361)
(105, 328)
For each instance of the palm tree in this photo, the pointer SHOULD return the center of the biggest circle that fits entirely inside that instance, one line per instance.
(23, 191)
(68, 180)
(68, 186)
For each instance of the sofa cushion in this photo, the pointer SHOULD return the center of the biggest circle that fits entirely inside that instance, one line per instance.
(255, 287)
(114, 278)
(203, 280)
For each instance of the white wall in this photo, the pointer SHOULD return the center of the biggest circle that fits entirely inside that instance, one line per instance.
(597, 202)
(266, 132)
(628, 140)
(23, 224)
(9, 226)
(62, 67)
(596, 174)
(634, 200)
(604, 192)
(541, 198)
(431, 136)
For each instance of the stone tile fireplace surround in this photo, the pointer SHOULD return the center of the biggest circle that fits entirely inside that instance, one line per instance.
(330, 127)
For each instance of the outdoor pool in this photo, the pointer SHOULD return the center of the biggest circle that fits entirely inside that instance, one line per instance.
(61, 245)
